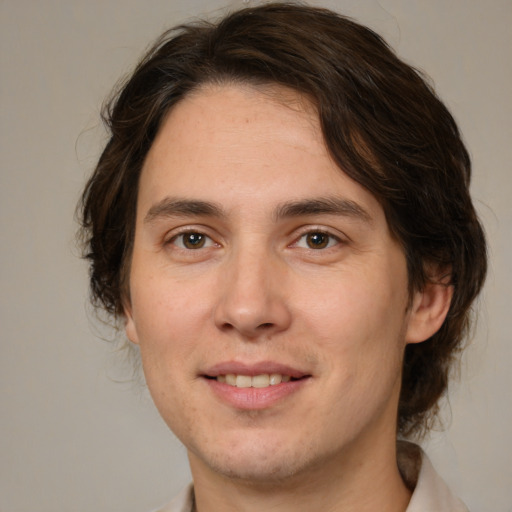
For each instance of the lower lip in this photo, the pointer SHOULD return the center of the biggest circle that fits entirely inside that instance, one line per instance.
(255, 398)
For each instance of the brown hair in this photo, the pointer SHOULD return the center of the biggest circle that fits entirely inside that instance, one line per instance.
(382, 123)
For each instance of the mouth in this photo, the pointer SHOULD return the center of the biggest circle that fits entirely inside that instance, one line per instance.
(254, 386)
(263, 380)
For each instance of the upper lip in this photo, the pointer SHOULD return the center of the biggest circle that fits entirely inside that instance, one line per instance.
(253, 369)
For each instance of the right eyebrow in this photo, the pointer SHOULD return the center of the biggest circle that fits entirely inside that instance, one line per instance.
(170, 207)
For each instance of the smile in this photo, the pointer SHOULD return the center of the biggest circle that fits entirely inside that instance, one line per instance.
(257, 381)
(254, 386)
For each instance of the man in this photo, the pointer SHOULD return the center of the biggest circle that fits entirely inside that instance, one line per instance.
(281, 219)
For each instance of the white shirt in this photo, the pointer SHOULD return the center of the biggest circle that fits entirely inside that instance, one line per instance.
(430, 492)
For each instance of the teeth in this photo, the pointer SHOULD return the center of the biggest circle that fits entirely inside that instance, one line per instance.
(275, 378)
(243, 381)
(258, 381)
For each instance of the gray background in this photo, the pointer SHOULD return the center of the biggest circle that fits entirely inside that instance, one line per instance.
(74, 439)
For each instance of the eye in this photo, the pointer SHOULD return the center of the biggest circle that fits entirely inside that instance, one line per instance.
(317, 240)
(192, 240)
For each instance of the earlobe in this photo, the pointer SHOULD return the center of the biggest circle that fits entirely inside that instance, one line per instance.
(428, 311)
(129, 326)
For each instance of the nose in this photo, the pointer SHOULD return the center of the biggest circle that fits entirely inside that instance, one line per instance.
(252, 296)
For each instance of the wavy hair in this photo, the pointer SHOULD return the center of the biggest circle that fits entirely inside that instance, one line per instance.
(382, 123)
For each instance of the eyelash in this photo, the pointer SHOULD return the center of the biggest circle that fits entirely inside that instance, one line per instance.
(204, 241)
(332, 240)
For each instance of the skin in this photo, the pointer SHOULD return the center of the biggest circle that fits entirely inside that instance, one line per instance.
(257, 289)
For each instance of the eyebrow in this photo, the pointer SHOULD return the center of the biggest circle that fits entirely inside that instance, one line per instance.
(323, 206)
(171, 207)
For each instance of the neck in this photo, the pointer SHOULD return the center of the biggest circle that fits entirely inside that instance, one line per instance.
(364, 483)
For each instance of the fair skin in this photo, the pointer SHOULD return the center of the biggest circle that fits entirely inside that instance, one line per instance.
(255, 256)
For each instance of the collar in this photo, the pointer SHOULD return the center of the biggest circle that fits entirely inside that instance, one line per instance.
(430, 493)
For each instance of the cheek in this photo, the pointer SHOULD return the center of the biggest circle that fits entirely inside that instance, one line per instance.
(354, 307)
(163, 302)
(169, 318)
(359, 327)
(167, 340)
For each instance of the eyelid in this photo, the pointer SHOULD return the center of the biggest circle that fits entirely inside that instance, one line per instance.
(340, 237)
(172, 235)
(206, 242)
(296, 236)
(331, 242)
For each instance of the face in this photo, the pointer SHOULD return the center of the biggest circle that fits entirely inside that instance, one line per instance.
(267, 294)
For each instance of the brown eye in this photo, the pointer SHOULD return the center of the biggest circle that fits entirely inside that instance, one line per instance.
(317, 240)
(191, 240)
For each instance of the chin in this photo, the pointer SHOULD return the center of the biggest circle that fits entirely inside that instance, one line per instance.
(258, 472)
(260, 464)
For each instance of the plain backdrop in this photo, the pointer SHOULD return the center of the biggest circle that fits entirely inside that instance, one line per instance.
(75, 436)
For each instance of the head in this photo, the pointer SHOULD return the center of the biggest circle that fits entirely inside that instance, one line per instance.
(382, 125)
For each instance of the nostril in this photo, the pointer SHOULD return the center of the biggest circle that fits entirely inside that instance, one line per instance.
(266, 325)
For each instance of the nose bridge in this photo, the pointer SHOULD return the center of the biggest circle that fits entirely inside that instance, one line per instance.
(251, 299)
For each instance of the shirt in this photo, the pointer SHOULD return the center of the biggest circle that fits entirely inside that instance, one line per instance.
(430, 493)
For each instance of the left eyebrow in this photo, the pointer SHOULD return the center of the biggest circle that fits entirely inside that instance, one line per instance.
(323, 206)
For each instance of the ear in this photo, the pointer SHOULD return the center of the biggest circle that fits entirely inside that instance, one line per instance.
(129, 325)
(428, 311)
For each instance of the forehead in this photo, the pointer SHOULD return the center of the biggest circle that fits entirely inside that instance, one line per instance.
(240, 119)
(239, 145)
